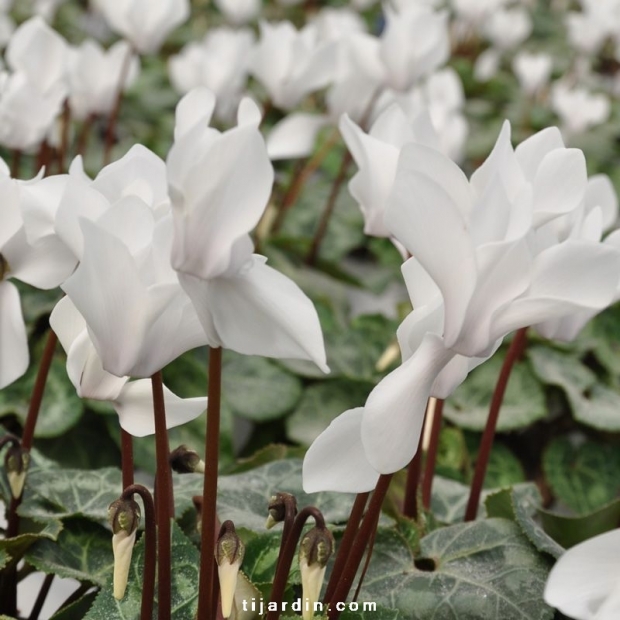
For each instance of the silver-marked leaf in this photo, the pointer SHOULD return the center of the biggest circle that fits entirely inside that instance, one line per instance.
(484, 569)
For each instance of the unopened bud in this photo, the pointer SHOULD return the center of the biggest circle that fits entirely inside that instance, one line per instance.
(16, 463)
(229, 553)
(314, 552)
(277, 508)
(186, 461)
(124, 517)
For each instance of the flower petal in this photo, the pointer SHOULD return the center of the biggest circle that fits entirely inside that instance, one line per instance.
(294, 136)
(585, 576)
(394, 411)
(336, 461)
(134, 406)
(14, 354)
(259, 311)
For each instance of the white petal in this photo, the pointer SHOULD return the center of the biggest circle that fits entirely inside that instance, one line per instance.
(14, 354)
(249, 114)
(569, 277)
(294, 136)
(134, 406)
(600, 192)
(336, 460)
(532, 151)
(107, 291)
(559, 184)
(262, 312)
(196, 107)
(585, 576)
(423, 216)
(394, 411)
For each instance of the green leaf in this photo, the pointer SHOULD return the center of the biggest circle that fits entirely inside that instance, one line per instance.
(186, 565)
(602, 336)
(354, 352)
(4, 558)
(78, 609)
(257, 389)
(524, 401)
(523, 512)
(61, 408)
(32, 531)
(570, 531)
(504, 468)
(320, 404)
(83, 551)
(60, 494)
(584, 476)
(484, 569)
(244, 497)
(561, 369)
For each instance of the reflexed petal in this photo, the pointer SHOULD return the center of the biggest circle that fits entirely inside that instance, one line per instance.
(107, 291)
(10, 214)
(559, 185)
(532, 151)
(394, 412)
(194, 108)
(14, 354)
(601, 193)
(426, 220)
(225, 196)
(131, 221)
(262, 312)
(66, 322)
(569, 277)
(248, 113)
(336, 461)
(39, 202)
(585, 576)
(134, 406)
(294, 136)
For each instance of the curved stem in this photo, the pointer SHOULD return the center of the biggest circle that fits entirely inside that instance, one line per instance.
(431, 455)
(164, 501)
(290, 511)
(346, 543)
(209, 492)
(410, 503)
(371, 546)
(150, 548)
(286, 559)
(345, 579)
(514, 352)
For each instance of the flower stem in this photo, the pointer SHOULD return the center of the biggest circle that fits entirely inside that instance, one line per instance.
(371, 546)
(16, 162)
(301, 174)
(82, 141)
(164, 491)
(431, 455)
(346, 577)
(40, 601)
(514, 352)
(112, 121)
(286, 558)
(150, 548)
(346, 543)
(64, 137)
(209, 493)
(127, 458)
(38, 390)
(321, 230)
(410, 503)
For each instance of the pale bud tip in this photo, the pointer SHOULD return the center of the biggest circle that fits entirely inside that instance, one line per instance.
(122, 546)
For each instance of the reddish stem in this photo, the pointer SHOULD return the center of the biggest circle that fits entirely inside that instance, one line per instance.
(127, 458)
(209, 493)
(164, 491)
(514, 352)
(431, 455)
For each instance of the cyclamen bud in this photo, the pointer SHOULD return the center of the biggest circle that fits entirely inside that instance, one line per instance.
(314, 552)
(277, 508)
(124, 518)
(186, 461)
(229, 552)
(16, 463)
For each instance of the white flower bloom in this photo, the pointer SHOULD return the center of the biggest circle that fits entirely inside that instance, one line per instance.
(242, 303)
(533, 71)
(577, 108)
(144, 23)
(508, 28)
(94, 76)
(220, 63)
(291, 64)
(239, 12)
